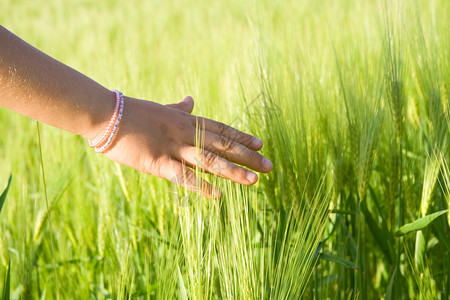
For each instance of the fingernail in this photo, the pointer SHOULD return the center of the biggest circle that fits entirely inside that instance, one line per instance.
(267, 164)
(257, 143)
(252, 177)
(187, 98)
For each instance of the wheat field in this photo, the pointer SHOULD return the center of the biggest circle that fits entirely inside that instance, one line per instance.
(351, 99)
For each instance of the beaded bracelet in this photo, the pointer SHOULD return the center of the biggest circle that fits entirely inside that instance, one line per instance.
(115, 128)
(102, 145)
(110, 124)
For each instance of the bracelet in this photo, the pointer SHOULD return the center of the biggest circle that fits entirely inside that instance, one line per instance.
(113, 126)
(111, 122)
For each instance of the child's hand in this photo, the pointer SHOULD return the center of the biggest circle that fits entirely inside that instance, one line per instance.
(161, 140)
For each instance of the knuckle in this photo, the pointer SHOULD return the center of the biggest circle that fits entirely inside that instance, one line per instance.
(209, 159)
(222, 128)
(256, 157)
(234, 133)
(226, 144)
(187, 178)
(236, 172)
(246, 140)
(199, 123)
(253, 158)
(259, 158)
(183, 177)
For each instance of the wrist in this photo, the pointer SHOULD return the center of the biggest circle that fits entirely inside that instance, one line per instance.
(109, 134)
(99, 116)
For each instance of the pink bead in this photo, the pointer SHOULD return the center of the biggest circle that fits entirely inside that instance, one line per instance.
(115, 128)
(110, 124)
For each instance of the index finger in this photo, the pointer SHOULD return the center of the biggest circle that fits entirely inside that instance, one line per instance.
(222, 129)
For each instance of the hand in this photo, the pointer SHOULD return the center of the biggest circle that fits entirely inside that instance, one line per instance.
(152, 138)
(161, 140)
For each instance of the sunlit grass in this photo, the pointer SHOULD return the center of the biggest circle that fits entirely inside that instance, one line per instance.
(350, 99)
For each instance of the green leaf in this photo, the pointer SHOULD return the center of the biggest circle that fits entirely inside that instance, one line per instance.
(419, 251)
(7, 285)
(5, 192)
(183, 294)
(342, 261)
(439, 229)
(382, 235)
(319, 248)
(419, 224)
(342, 212)
(390, 290)
(100, 290)
(323, 281)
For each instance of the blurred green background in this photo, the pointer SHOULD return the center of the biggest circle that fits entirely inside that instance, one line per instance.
(350, 98)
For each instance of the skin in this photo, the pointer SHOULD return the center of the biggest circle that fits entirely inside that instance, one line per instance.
(152, 138)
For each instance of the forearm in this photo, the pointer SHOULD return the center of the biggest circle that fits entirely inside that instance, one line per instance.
(157, 139)
(40, 87)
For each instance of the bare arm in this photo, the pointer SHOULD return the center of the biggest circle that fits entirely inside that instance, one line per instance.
(153, 138)
(40, 87)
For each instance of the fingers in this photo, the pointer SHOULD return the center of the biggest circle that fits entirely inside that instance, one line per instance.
(218, 128)
(181, 175)
(235, 152)
(186, 105)
(214, 164)
(219, 148)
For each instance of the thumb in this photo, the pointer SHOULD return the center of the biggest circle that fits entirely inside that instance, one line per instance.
(187, 105)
